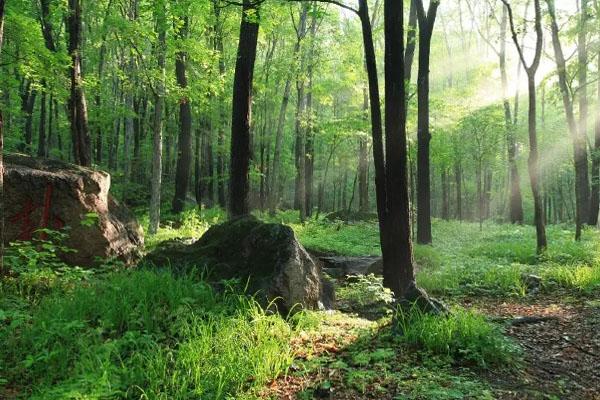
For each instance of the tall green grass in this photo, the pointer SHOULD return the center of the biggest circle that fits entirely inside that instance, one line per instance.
(143, 334)
(464, 336)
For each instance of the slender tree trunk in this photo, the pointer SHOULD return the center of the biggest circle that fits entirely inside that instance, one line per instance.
(533, 161)
(583, 184)
(426, 23)
(275, 172)
(42, 149)
(242, 111)
(445, 204)
(376, 122)
(578, 135)
(184, 154)
(157, 133)
(1, 153)
(595, 197)
(300, 194)
(458, 180)
(221, 115)
(515, 197)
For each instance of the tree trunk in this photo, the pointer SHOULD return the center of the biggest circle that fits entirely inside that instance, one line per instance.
(242, 111)
(42, 149)
(533, 161)
(515, 197)
(578, 135)
(184, 149)
(595, 197)
(398, 263)
(82, 150)
(221, 115)
(1, 153)
(157, 132)
(426, 23)
(445, 204)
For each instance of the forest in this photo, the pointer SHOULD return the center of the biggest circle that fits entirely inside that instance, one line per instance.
(299, 199)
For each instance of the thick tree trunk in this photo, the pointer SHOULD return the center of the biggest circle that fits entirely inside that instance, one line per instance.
(82, 150)
(184, 149)
(398, 263)
(242, 111)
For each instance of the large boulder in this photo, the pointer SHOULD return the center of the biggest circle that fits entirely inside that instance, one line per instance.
(52, 194)
(267, 256)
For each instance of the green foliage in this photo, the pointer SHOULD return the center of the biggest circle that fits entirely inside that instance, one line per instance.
(35, 267)
(464, 336)
(142, 333)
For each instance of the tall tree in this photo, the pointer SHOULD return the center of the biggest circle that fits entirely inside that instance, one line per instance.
(219, 48)
(426, 24)
(398, 260)
(579, 137)
(595, 190)
(581, 164)
(80, 135)
(157, 131)
(1, 153)
(533, 161)
(239, 185)
(184, 144)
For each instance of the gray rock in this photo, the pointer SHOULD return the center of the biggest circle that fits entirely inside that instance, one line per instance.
(268, 256)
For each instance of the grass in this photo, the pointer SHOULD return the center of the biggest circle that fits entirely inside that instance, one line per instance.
(463, 335)
(150, 334)
(142, 334)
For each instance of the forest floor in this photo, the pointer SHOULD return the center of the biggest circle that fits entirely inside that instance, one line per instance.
(561, 354)
(521, 326)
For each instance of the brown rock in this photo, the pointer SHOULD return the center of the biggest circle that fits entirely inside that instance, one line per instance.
(53, 194)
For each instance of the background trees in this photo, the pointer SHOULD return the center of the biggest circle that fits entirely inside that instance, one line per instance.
(165, 138)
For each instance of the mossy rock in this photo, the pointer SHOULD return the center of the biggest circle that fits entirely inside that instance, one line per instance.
(268, 256)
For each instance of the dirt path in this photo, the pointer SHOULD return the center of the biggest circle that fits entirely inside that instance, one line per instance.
(561, 341)
(560, 337)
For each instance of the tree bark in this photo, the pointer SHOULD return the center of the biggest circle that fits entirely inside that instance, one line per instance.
(80, 135)
(578, 135)
(221, 115)
(184, 149)
(515, 197)
(398, 263)
(242, 111)
(2, 2)
(533, 161)
(157, 132)
(426, 24)
(595, 196)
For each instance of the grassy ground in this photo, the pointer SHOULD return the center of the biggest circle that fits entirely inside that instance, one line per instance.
(147, 334)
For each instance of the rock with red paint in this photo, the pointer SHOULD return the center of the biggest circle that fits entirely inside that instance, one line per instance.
(53, 194)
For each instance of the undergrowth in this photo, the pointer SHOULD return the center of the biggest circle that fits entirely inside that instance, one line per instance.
(141, 334)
